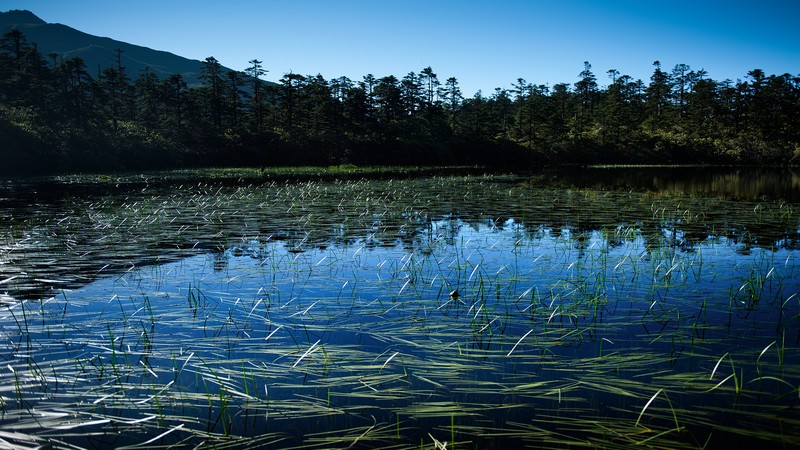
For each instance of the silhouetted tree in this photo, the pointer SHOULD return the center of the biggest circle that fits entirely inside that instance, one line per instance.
(74, 92)
(211, 74)
(586, 90)
(290, 83)
(389, 99)
(234, 95)
(681, 77)
(173, 94)
(658, 95)
(431, 83)
(148, 97)
(111, 82)
(255, 71)
(452, 95)
(411, 93)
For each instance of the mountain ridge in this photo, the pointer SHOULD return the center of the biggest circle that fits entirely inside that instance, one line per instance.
(98, 52)
(20, 16)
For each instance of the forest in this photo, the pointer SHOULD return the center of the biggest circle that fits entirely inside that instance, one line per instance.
(57, 116)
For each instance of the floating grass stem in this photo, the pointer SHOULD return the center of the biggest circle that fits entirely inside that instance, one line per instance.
(518, 342)
(646, 405)
(307, 352)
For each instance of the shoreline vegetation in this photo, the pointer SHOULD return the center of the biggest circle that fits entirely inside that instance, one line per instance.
(56, 117)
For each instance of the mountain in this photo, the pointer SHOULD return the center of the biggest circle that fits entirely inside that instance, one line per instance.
(98, 52)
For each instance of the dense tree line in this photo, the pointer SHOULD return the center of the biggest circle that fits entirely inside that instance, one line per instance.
(56, 115)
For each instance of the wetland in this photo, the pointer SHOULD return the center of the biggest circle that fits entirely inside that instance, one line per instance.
(599, 308)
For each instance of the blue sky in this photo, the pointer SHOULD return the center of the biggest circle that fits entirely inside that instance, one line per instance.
(484, 44)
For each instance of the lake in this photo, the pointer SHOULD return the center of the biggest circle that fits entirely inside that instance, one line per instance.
(601, 307)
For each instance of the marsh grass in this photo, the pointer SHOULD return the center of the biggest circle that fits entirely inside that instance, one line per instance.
(457, 312)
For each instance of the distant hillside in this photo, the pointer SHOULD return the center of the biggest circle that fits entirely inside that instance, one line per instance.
(97, 52)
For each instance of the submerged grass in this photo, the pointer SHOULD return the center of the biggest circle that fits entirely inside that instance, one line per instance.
(446, 312)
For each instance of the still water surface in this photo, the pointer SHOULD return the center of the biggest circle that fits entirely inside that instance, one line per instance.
(481, 311)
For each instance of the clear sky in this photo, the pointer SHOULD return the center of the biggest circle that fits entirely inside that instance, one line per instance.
(484, 44)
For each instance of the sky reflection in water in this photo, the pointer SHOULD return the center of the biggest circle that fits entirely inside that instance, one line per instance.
(542, 320)
(324, 317)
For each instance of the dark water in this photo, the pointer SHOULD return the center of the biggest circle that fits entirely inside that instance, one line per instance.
(747, 184)
(101, 224)
(485, 312)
